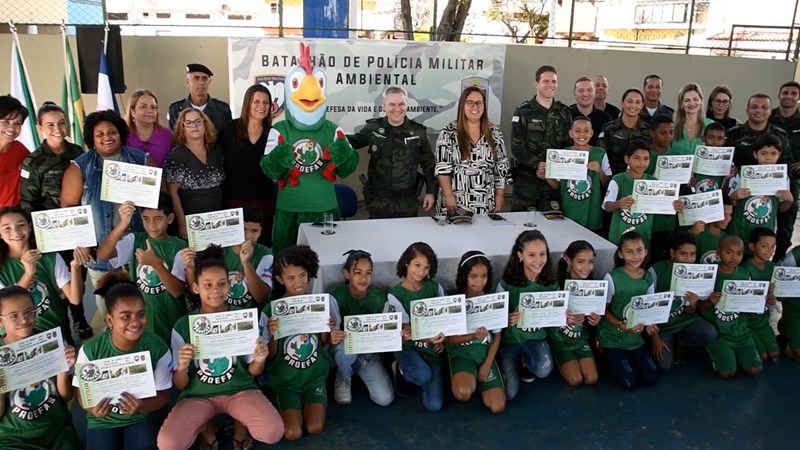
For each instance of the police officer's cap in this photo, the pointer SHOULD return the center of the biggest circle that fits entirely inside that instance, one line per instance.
(199, 68)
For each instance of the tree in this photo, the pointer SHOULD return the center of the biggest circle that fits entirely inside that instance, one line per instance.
(451, 23)
(523, 19)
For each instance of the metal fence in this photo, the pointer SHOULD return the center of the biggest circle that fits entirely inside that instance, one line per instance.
(684, 26)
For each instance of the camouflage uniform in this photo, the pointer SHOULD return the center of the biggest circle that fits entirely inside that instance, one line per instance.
(742, 137)
(395, 155)
(791, 125)
(615, 138)
(534, 129)
(217, 111)
(41, 175)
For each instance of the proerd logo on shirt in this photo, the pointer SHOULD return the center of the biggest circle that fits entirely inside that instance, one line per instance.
(301, 350)
(758, 210)
(215, 371)
(31, 402)
(307, 155)
(41, 298)
(148, 281)
(580, 189)
(239, 294)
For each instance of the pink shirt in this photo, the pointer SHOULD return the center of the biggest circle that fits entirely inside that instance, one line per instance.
(159, 144)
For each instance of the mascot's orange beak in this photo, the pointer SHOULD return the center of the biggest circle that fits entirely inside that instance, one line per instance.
(309, 96)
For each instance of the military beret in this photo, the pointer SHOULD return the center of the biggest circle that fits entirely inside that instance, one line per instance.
(199, 68)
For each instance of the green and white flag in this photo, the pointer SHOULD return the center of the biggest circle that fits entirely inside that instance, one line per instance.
(71, 96)
(21, 90)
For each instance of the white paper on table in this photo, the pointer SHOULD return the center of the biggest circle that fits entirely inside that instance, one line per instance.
(696, 278)
(224, 228)
(764, 179)
(743, 296)
(432, 316)
(704, 207)
(488, 311)
(713, 161)
(224, 334)
(123, 182)
(676, 168)
(373, 333)
(31, 360)
(64, 229)
(587, 296)
(654, 197)
(301, 314)
(566, 164)
(110, 377)
(651, 309)
(543, 309)
(787, 281)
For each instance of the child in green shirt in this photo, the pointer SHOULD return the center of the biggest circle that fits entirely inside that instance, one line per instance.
(760, 267)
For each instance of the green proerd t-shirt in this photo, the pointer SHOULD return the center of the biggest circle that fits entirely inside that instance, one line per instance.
(515, 335)
(625, 288)
(678, 318)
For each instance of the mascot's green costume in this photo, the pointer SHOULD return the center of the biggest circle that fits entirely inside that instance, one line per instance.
(305, 153)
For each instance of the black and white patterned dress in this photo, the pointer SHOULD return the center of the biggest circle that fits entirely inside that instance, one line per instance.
(473, 182)
(199, 185)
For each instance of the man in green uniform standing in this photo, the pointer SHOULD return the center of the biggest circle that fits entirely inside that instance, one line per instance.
(787, 118)
(538, 124)
(398, 148)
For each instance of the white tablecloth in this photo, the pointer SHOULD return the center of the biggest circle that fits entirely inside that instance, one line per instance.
(386, 239)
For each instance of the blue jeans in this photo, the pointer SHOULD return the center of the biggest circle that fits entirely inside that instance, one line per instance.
(696, 334)
(534, 355)
(630, 368)
(369, 368)
(422, 373)
(138, 436)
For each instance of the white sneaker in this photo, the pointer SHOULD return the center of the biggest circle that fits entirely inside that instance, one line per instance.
(341, 391)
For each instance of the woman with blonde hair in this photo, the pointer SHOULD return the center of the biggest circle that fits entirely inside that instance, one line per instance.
(690, 120)
(147, 133)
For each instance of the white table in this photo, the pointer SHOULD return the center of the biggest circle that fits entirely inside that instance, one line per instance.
(386, 239)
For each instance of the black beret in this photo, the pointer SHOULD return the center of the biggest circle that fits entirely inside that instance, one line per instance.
(199, 68)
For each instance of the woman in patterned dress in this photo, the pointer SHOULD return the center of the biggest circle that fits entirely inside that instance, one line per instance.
(193, 169)
(471, 161)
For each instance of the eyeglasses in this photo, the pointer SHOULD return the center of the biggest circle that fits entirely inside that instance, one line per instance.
(18, 318)
(192, 123)
(721, 102)
(474, 103)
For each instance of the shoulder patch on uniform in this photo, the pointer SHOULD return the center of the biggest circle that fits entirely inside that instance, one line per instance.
(24, 173)
(515, 119)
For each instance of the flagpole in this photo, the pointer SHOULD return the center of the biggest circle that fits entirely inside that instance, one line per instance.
(22, 60)
(67, 80)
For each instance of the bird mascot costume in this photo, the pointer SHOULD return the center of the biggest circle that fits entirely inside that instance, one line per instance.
(305, 153)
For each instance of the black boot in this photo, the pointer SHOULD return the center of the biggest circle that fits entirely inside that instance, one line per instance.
(79, 321)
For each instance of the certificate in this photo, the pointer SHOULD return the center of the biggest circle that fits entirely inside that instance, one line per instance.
(301, 314)
(649, 309)
(488, 311)
(587, 296)
(764, 179)
(224, 228)
(704, 207)
(654, 197)
(744, 296)
(373, 333)
(695, 278)
(566, 164)
(543, 309)
(229, 333)
(64, 229)
(714, 161)
(123, 182)
(32, 360)
(431, 316)
(110, 377)
(787, 281)
(676, 168)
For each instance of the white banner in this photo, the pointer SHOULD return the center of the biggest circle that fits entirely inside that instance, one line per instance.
(357, 73)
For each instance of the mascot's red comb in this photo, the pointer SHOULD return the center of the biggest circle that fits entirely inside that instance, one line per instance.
(305, 58)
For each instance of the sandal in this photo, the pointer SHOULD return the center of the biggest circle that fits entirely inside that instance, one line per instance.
(209, 446)
(245, 444)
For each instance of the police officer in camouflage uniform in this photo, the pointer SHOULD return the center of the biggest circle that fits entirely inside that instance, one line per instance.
(742, 136)
(787, 118)
(615, 136)
(198, 78)
(538, 124)
(398, 146)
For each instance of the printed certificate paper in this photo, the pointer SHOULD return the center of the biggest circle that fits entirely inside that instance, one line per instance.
(566, 164)
(714, 161)
(373, 333)
(543, 309)
(110, 377)
(587, 296)
(705, 206)
(696, 278)
(432, 316)
(224, 228)
(787, 281)
(676, 168)
(654, 197)
(649, 309)
(764, 179)
(489, 311)
(32, 360)
(230, 333)
(64, 229)
(301, 314)
(743, 296)
(123, 182)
